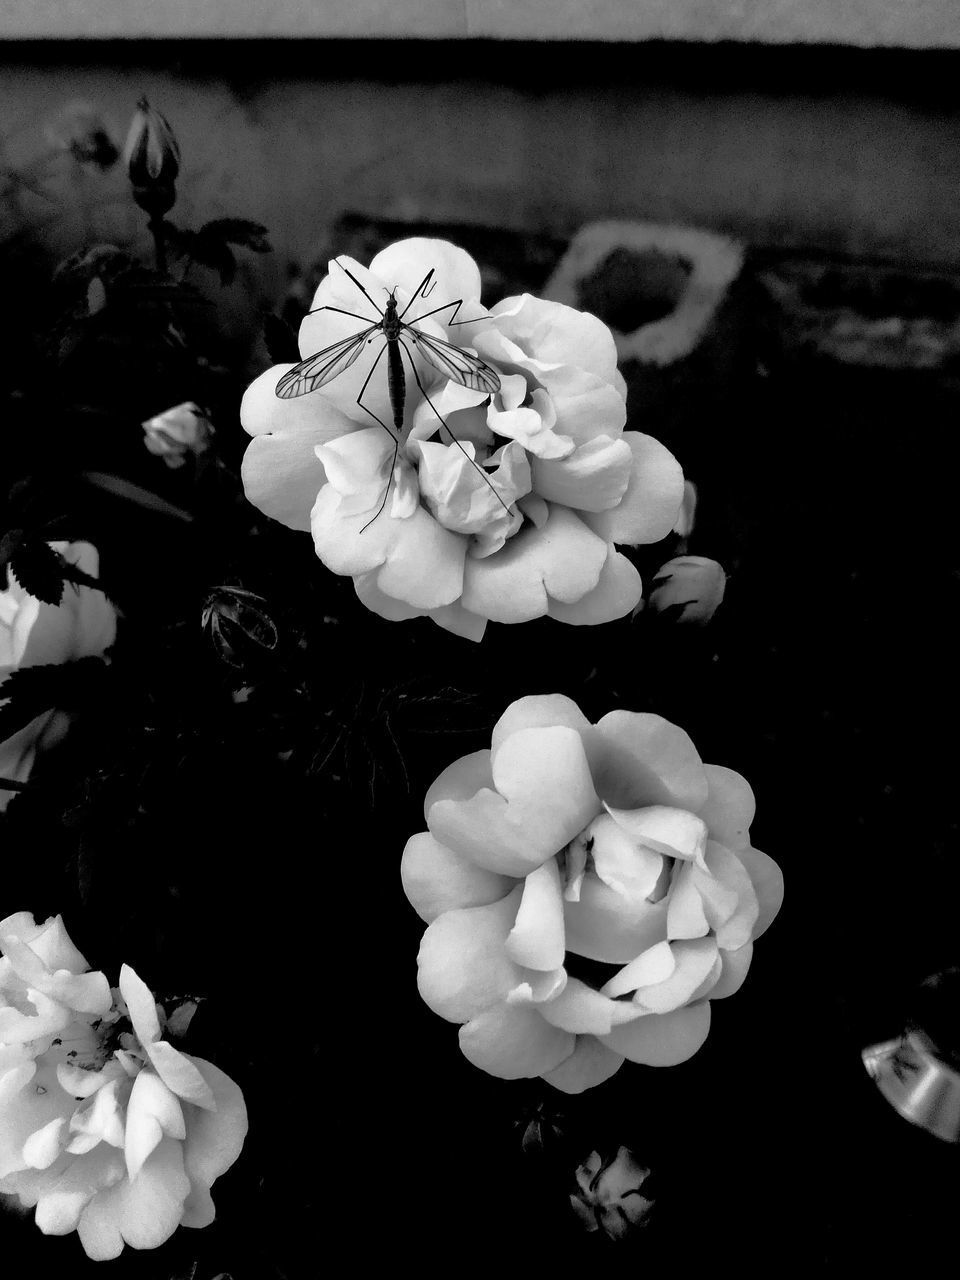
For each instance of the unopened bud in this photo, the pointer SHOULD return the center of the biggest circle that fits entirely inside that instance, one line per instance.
(610, 1194)
(152, 157)
(688, 588)
(176, 432)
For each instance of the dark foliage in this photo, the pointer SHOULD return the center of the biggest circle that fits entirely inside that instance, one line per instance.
(228, 811)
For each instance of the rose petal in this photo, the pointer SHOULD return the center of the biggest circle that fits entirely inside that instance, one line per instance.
(617, 593)
(141, 1006)
(463, 964)
(558, 334)
(61, 1205)
(144, 1212)
(649, 508)
(562, 560)
(403, 264)
(730, 807)
(731, 901)
(662, 1040)
(513, 1042)
(539, 711)
(452, 617)
(213, 1142)
(152, 1111)
(734, 971)
(675, 833)
(583, 1010)
(536, 940)
(44, 1145)
(592, 478)
(650, 967)
(686, 911)
(645, 760)
(435, 879)
(767, 881)
(628, 868)
(178, 1073)
(590, 1064)
(50, 941)
(605, 926)
(281, 473)
(545, 798)
(695, 958)
(460, 780)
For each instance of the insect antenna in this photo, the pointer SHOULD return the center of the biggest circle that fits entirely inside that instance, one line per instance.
(473, 462)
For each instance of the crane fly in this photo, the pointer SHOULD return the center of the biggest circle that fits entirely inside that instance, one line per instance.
(455, 363)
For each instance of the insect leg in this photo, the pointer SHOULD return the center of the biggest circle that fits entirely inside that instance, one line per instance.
(359, 286)
(473, 462)
(366, 383)
(340, 311)
(456, 307)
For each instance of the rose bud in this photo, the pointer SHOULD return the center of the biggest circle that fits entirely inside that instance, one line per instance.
(610, 1194)
(152, 157)
(689, 588)
(176, 432)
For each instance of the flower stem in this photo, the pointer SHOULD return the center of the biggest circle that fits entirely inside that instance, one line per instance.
(160, 249)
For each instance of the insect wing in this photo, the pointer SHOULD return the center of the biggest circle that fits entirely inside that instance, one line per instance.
(454, 362)
(324, 366)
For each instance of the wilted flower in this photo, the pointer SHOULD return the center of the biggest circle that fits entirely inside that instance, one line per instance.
(238, 624)
(105, 1127)
(79, 128)
(34, 634)
(508, 511)
(152, 157)
(610, 1194)
(690, 587)
(178, 431)
(570, 842)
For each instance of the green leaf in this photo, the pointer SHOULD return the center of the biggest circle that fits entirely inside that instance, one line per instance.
(39, 570)
(281, 341)
(250, 235)
(30, 691)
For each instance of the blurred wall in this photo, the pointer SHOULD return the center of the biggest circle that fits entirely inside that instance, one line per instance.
(849, 151)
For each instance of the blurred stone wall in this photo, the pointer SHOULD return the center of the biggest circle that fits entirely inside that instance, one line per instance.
(844, 151)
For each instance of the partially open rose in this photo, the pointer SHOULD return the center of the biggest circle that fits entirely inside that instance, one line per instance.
(502, 507)
(589, 889)
(33, 634)
(105, 1126)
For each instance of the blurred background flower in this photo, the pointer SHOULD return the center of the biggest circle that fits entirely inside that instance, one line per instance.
(177, 432)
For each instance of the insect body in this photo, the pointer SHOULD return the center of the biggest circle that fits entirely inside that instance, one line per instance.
(463, 367)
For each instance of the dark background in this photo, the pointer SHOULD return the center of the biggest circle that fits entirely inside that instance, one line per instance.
(249, 851)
